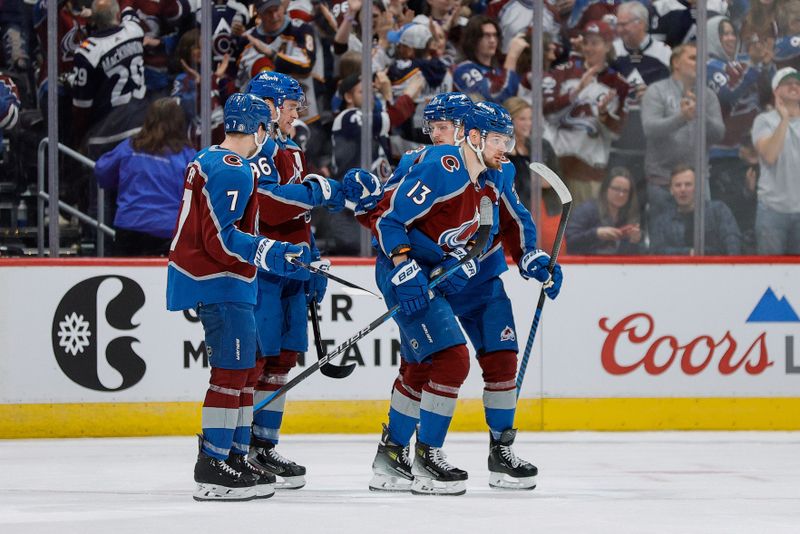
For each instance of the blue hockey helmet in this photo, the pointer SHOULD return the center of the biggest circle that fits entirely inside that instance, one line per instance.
(277, 87)
(452, 106)
(489, 117)
(244, 113)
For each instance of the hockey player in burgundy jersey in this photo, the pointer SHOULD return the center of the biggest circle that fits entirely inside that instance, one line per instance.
(286, 195)
(437, 198)
(212, 268)
(484, 310)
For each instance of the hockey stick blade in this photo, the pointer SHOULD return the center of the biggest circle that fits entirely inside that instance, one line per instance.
(294, 261)
(566, 205)
(486, 218)
(330, 370)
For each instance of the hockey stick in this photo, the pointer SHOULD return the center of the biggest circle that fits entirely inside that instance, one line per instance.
(330, 370)
(566, 205)
(322, 272)
(484, 228)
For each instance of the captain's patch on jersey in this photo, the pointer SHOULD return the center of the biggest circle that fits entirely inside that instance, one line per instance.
(508, 334)
(232, 160)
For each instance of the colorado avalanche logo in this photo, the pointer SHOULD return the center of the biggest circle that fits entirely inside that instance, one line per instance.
(458, 237)
(232, 160)
(450, 163)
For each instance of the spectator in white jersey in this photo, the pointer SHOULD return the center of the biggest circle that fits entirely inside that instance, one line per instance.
(776, 135)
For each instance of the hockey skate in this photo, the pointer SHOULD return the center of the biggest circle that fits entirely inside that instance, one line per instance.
(265, 482)
(218, 481)
(264, 456)
(433, 475)
(391, 467)
(506, 471)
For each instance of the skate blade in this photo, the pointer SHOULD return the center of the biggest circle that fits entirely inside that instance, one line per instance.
(507, 482)
(428, 486)
(290, 483)
(214, 492)
(264, 491)
(389, 483)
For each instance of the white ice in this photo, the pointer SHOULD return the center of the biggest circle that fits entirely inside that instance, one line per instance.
(676, 482)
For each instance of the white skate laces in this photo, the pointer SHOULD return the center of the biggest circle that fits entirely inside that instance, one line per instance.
(228, 469)
(439, 459)
(276, 456)
(508, 455)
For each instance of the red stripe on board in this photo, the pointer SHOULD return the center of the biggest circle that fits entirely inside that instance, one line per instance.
(353, 261)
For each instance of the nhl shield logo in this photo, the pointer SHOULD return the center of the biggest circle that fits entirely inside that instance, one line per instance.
(508, 334)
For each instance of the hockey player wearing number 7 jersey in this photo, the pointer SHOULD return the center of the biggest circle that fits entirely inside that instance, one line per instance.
(213, 260)
(484, 311)
(286, 195)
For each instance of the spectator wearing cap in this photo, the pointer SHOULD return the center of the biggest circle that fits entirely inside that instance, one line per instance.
(585, 103)
(413, 58)
(641, 60)
(668, 119)
(736, 83)
(281, 44)
(672, 231)
(776, 136)
(481, 76)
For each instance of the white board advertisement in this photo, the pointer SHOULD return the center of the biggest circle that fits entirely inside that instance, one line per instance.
(101, 333)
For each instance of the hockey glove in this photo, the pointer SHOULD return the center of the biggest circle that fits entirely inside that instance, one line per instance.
(317, 284)
(363, 188)
(327, 193)
(271, 257)
(460, 277)
(410, 287)
(534, 265)
(553, 286)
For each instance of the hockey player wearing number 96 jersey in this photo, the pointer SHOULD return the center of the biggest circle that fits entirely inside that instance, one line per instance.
(213, 260)
(286, 195)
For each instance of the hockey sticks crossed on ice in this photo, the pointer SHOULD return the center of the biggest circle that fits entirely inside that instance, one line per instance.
(484, 228)
(566, 205)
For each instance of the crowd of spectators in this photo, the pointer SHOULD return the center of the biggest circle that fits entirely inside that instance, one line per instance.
(618, 90)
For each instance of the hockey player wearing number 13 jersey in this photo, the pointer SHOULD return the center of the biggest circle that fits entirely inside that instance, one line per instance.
(483, 309)
(438, 198)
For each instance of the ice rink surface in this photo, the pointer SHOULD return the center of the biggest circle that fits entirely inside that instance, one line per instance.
(670, 482)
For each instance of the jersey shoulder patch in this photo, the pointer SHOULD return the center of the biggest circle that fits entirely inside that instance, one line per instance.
(232, 159)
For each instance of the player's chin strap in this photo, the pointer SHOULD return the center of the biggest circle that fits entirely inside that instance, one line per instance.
(456, 139)
(478, 150)
(260, 145)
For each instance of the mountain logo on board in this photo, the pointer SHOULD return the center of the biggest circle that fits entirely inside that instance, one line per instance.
(771, 310)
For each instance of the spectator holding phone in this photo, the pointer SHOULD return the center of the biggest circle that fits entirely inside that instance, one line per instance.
(608, 224)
